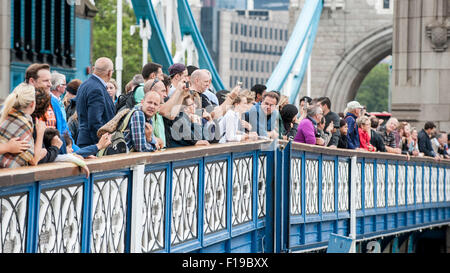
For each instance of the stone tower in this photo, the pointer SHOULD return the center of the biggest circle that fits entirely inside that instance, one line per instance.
(421, 62)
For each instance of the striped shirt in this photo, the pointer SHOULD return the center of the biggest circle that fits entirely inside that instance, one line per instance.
(135, 133)
(17, 124)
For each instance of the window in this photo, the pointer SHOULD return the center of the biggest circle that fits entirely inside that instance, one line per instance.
(386, 4)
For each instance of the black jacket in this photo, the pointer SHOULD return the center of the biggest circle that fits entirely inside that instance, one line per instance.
(377, 141)
(425, 144)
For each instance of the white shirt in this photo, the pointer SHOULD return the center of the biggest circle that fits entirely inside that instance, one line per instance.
(229, 127)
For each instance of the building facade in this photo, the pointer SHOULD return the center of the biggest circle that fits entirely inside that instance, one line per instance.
(57, 32)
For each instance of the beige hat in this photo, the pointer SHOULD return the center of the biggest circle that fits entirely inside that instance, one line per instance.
(353, 105)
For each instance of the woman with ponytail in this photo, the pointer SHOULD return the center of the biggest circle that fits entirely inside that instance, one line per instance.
(16, 122)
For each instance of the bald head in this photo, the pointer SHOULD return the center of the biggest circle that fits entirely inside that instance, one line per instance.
(104, 68)
(201, 79)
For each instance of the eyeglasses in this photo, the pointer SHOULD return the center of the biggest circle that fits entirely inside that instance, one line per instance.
(153, 84)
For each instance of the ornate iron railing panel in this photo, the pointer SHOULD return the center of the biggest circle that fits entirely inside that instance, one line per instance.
(312, 186)
(262, 177)
(447, 184)
(441, 185)
(419, 184)
(410, 185)
(391, 185)
(327, 186)
(109, 215)
(13, 223)
(296, 186)
(433, 184)
(343, 186)
(60, 219)
(381, 185)
(426, 184)
(242, 190)
(358, 186)
(184, 204)
(153, 222)
(368, 185)
(401, 188)
(215, 194)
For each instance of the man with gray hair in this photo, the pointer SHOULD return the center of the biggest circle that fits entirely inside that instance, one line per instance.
(353, 112)
(94, 105)
(387, 134)
(58, 88)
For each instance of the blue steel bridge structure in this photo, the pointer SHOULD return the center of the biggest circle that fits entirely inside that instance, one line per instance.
(259, 196)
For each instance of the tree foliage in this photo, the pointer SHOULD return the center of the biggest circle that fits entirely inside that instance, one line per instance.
(104, 38)
(374, 90)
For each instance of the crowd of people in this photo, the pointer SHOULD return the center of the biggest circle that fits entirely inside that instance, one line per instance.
(45, 119)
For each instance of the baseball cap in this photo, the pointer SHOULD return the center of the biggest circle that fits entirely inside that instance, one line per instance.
(354, 105)
(176, 68)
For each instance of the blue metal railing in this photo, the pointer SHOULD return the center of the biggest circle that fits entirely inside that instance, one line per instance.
(223, 198)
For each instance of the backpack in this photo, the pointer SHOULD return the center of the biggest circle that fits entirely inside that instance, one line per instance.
(118, 144)
(126, 100)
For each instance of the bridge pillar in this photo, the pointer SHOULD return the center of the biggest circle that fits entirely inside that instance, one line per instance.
(421, 62)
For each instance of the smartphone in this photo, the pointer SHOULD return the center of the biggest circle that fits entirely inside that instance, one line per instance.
(187, 85)
(240, 84)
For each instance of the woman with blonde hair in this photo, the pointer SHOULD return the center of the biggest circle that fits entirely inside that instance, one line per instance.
(364, 134)
(16, 121)
(229, 124)
(111, 87)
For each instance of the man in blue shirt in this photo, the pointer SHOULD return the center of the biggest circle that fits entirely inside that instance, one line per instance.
(263, 117)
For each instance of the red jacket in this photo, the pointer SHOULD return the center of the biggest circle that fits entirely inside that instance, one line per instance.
(364, 140)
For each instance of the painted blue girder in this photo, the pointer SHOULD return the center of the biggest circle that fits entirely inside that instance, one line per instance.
(189, 27)
(157, 47)
(305, 30)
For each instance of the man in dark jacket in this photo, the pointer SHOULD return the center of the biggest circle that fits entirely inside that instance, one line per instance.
(353, 112)
(424, 140)
(94, 105)
(330, 116)
(375, 139)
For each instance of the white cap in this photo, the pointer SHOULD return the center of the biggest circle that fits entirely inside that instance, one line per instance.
(353, 105)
